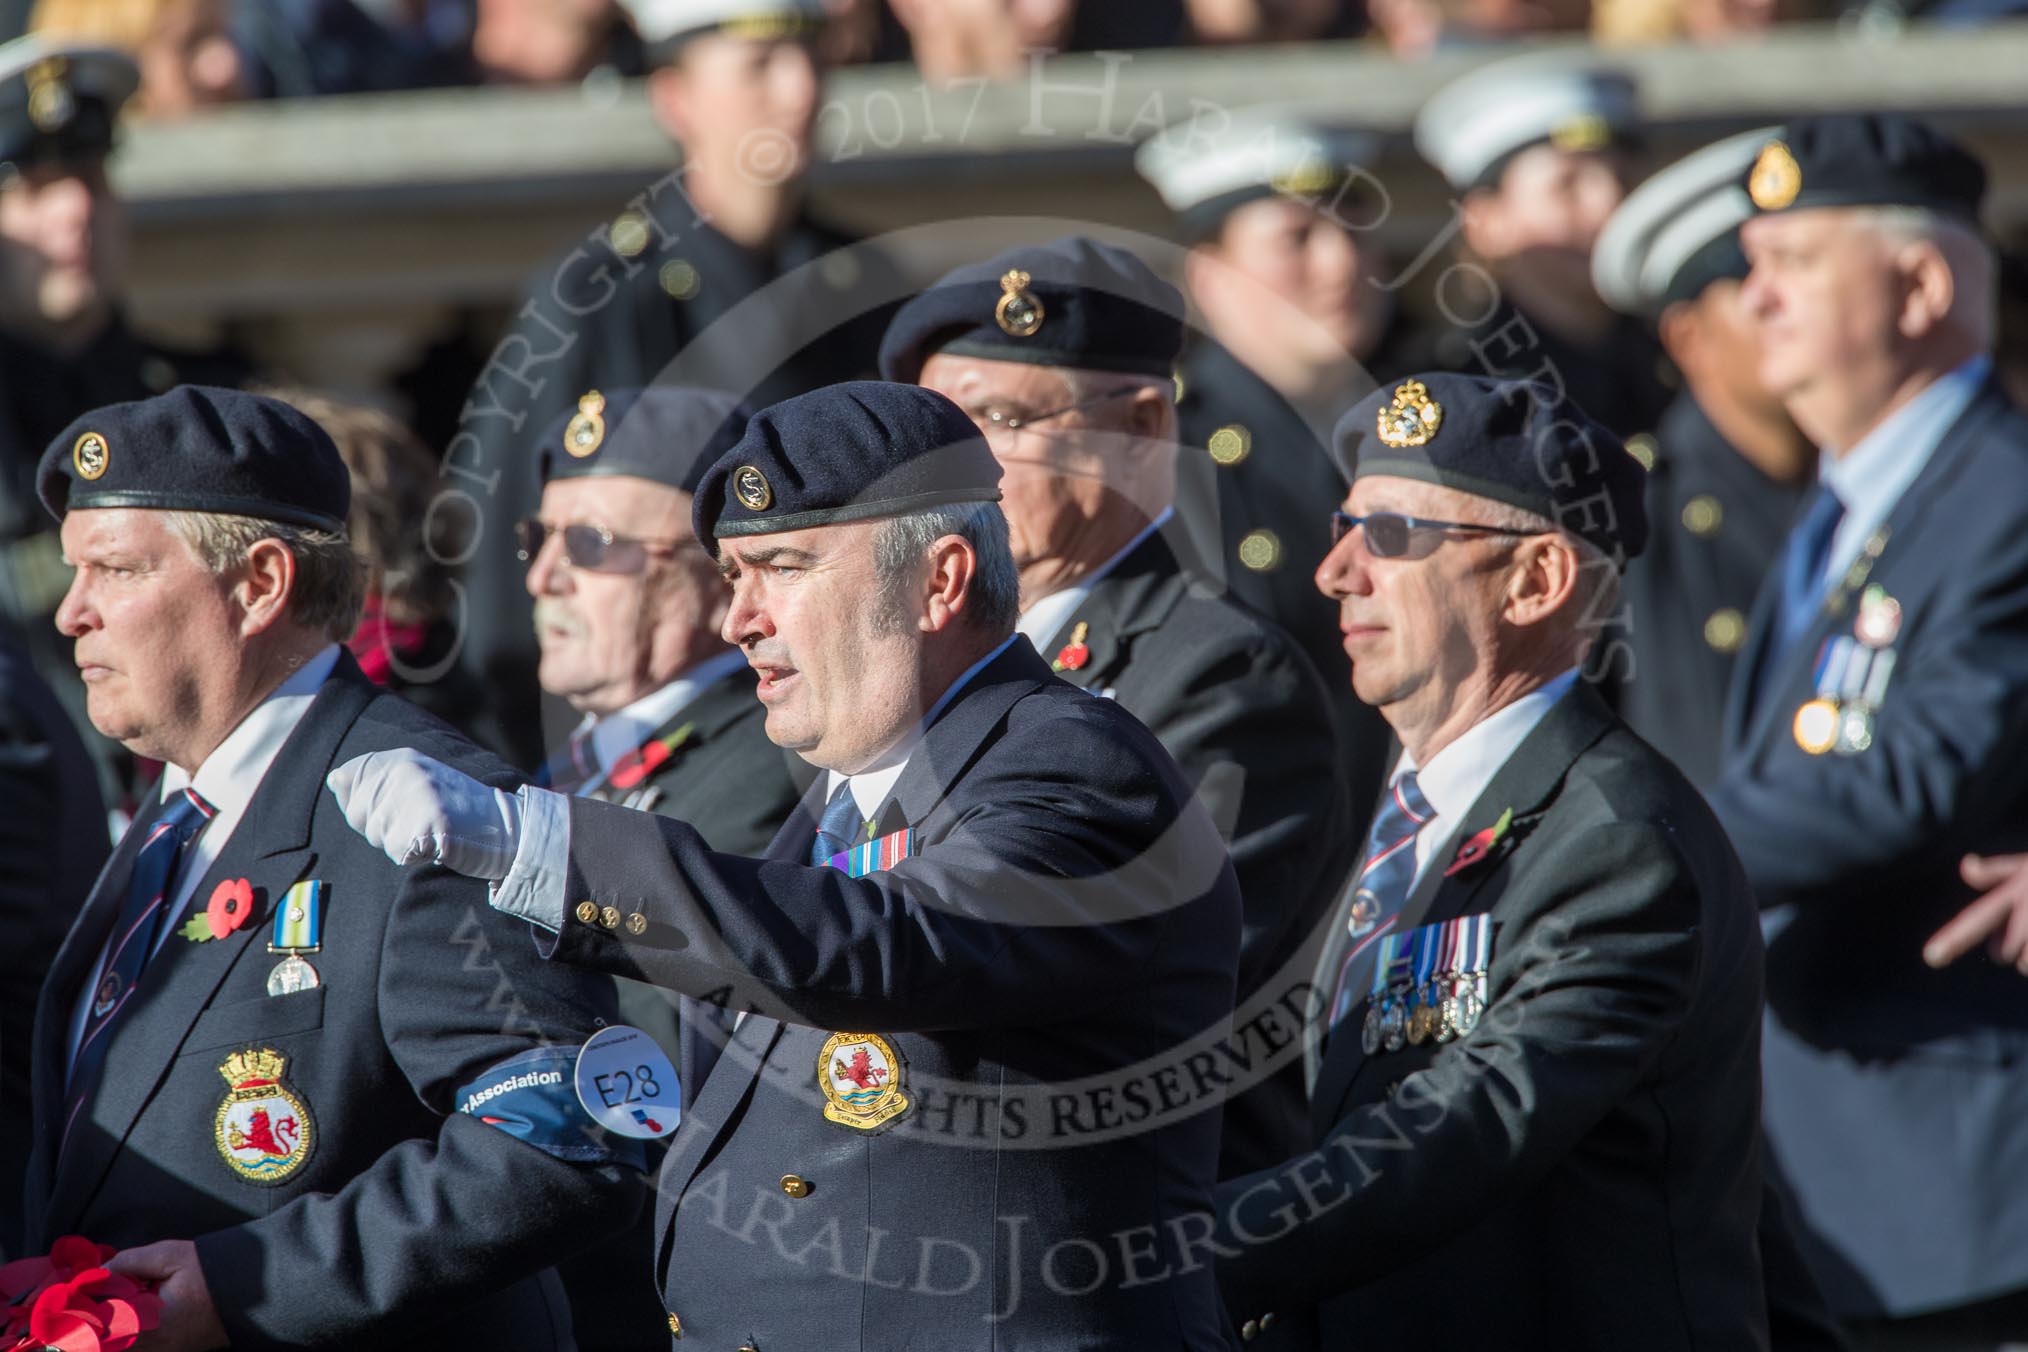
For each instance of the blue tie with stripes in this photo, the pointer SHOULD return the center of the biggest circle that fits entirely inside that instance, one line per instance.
(1381, 889)
(133, 938)
(840, 829)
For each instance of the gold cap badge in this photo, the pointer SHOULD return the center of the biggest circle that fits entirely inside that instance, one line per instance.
(586, 431)
(90, 455)
(1019, 314)
(1413, 418)
(1312, 178)
(750, 486)
(1586, 132)
(1776, 178)
(50, 102)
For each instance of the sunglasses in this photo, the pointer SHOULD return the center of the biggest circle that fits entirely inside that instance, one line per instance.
(1389, 535)
(592, 548)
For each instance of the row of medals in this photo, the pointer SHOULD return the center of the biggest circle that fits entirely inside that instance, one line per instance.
(1406, 1016)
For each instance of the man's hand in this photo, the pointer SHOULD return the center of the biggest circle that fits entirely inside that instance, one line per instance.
(189, 1320)
(2000, 917)
(423, 812)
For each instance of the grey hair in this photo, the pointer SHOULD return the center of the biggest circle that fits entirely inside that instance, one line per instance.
(1597, 592)
(330, 575)
(1974, 269)
(994, 600)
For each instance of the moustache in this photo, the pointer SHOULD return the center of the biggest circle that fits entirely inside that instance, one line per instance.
(553, 614)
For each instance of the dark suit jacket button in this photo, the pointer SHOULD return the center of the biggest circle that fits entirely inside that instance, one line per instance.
(588, 912)
(795, 1186)
(1249, 1331)
(637, 923)
(675, 1325)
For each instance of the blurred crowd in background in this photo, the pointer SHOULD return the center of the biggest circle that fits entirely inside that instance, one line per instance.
(198, 53)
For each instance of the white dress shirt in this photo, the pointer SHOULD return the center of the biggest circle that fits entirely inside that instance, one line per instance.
(1871, 477)
(619, 733)
(1458, 774)
(228, 780)
(1042, 620)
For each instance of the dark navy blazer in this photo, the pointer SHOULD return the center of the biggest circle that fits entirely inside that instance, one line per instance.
(1052, 971)
(1895, 1094)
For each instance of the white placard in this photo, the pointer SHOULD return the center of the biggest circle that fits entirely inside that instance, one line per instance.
(625, 1081)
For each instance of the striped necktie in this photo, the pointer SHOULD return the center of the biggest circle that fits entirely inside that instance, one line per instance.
(840, 828)
(132, 942)
(1380, 890)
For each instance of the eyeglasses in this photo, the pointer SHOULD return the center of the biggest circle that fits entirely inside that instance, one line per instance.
(1390, 534)
(996, 421)
(591, 547)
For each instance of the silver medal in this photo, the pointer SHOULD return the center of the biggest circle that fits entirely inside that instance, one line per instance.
(292, 974)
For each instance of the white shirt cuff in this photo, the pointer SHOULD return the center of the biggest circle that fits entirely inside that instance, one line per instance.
(534, 886)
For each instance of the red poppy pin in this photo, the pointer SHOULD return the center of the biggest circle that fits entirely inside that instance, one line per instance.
(1475, 850)
(1073, 654)
(630, 769)
(231, 905)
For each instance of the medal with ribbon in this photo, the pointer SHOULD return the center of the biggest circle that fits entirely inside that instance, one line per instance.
(1474, 942)
(1423, 997)
(299, 929)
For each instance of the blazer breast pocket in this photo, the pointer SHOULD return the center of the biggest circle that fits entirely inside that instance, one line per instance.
(271, 1016)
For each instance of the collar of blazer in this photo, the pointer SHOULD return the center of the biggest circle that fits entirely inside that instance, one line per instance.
(717, 707)
(1136, 596)
(1527, 785)
(1750, 722)
(271, 846)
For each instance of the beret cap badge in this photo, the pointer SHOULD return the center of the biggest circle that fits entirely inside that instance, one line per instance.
(1412, 418)
(586, 431)
(1019, 314)
(89, 455)
(1776, 178)
(750, 486)
(50, 103)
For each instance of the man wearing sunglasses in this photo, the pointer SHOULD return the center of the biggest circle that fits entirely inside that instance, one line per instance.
(1068, 376)
(628, 607)
(1537, 1076)
(1000, 920)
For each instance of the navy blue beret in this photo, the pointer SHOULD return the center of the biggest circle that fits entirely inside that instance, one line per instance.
(1074, 302)
(846, 452)
(199, 449)
(60, 101)
(1514, 441)
(669, 434)
(1866, 160)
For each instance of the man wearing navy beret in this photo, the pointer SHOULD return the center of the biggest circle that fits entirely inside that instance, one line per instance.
(1877, 729)
(1534, 1110)
(628, 608)
(963, 988)
(1078, 406)
(260, 1054)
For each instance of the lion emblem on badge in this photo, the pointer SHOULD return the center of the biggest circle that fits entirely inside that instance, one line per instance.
(263, 1130)
(861, 1076)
